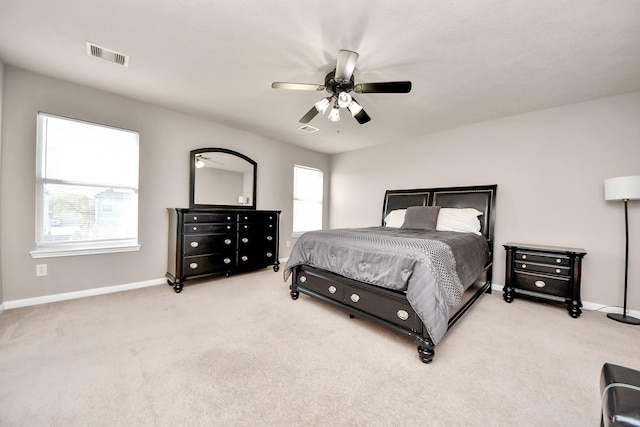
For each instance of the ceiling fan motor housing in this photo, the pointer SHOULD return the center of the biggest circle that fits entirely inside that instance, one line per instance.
(334, 87)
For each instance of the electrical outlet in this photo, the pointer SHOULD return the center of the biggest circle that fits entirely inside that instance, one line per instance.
(41, 269)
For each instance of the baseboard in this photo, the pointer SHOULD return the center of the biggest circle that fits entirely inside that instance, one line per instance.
(591, 306)
(1, 309)
(79, 294)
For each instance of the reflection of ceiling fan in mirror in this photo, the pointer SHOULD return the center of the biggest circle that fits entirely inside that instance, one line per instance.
(339, 83)
(200, 161)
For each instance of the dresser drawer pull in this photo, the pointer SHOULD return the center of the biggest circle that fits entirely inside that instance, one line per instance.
(246, 218)
(558, 260)
(194, 244)
(195, 228)
(558, 270)
(227, 260)
(524, 265)
(246, 226)
(270, 225)
(355, 297)
(402, 315)
(195, 218)
(269, 238)
(227, 241)
(228, 218)
(540, 284)
(302, 279)
(193, 265)
(269, 254)
(524, 257)
(244, 257)
(245, 240)
(332, 289)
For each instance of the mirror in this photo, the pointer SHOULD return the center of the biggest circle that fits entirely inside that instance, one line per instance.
(222, 178)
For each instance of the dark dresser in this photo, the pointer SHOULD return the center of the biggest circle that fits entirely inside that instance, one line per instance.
(548, 272)
(208, 242)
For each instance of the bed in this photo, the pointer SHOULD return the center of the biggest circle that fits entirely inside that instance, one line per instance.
(410, 279)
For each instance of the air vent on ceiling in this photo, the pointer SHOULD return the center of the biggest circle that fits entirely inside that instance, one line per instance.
(107, 55)
(308, 129)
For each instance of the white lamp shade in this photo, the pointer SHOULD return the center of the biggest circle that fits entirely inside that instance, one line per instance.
(623, 187)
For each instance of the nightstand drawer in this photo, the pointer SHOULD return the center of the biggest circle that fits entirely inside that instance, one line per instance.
(541, 283)
(541, 268)
(543, 258)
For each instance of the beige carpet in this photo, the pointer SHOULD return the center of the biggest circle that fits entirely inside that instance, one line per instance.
(238, 351)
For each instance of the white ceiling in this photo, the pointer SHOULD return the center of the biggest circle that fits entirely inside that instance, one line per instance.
(469, 61)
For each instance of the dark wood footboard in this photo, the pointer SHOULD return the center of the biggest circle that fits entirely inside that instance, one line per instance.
(384, 307)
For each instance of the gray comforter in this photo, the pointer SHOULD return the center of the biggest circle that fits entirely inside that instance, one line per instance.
(433, 267)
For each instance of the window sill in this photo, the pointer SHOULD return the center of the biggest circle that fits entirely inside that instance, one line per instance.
(51, 252)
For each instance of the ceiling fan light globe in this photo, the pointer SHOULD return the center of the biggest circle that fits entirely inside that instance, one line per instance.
(354, 108)
(334, 115)
(199, 163)
(322, 105)
(344, 99)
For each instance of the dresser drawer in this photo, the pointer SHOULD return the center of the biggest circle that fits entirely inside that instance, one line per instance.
(390, 309)
(543, 258)
(209, 217)
(541, 268)
(253, 257)
(320, 285)
(557, 286)
(259, 240)
(195, 244)
(209, 228)
(256, 227)
(258, 217)
(207, 264)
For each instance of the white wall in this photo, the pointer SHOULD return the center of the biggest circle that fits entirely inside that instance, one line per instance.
(549, 166)
(1, 103)
(166, 137)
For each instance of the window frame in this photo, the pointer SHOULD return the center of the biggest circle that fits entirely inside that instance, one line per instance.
(86, 247)
(320, 201)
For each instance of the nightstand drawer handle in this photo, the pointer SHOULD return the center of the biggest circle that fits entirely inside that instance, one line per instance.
(245, 240)
(558, 260)
(227, 260)
(355, 297)
(193, 265)
(524, 257)
(402, 315)
(269, 254)
(244, 257)
(227, 241)
(194, 244)
(332, 289)
(302, 279)
(540, 284)
(269, 238)
(524, 265)
(558, 270)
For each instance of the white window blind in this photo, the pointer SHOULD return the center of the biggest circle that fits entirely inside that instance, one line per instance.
(307, 199)
(86, 187)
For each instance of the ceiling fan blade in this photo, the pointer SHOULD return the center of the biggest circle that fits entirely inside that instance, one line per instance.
(310, 115)
(345, 65)
(296, 86)
(386, 87)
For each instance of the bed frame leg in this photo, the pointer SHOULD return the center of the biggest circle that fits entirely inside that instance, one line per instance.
(426, 351)
(294, 292)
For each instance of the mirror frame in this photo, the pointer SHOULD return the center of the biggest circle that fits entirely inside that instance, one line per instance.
(192, 177)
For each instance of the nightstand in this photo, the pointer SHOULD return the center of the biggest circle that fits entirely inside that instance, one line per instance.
(548, 272)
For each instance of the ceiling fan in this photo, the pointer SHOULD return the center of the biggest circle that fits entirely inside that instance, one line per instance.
(339, 83)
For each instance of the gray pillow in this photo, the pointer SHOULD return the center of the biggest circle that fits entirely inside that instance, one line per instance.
(421, 217)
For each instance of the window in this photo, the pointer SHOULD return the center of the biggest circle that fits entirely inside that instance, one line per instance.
(86, 188)
(307, 199)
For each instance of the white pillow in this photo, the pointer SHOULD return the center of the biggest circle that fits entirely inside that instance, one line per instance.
(395, 218)
(464, 220)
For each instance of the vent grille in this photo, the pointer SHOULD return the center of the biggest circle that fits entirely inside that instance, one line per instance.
(308, 129)
(107, 55)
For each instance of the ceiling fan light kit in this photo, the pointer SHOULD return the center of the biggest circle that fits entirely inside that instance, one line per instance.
(339, 83)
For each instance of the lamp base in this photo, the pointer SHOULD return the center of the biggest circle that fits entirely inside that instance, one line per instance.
(623, 318)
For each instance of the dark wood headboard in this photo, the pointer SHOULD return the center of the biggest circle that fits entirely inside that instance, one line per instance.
(481, 197)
